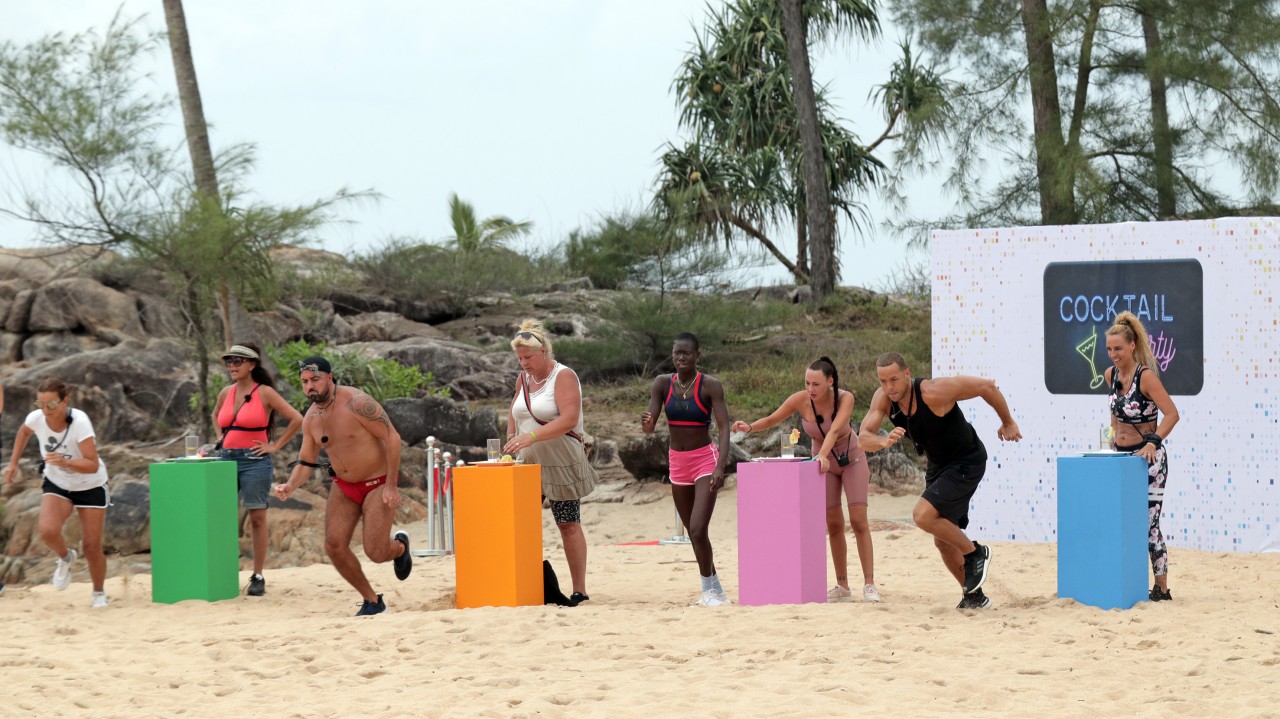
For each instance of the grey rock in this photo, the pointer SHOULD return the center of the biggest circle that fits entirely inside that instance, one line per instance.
(48, 346)
(485, 425)
(278, 326)
(159, 317)
(71, 303)
(645, 457)
(446, 359)
(127, 390)
(128, 526)
(389, 327)
(483, 385)
(19, 311)
(10, 347)
(603, 452)
(430, 311)
(580, 283)
(346, 302)
(418, 418)
(892, 471)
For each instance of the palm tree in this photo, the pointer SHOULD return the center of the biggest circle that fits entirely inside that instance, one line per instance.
(470, 235)
(742, 173)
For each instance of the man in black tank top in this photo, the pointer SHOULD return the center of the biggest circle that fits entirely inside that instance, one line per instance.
(926, 411)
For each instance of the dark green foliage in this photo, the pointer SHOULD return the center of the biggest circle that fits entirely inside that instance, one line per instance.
(413, 270)
(381, 379)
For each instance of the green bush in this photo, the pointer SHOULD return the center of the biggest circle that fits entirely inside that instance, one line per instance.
(639, 250)
(412, 270)
(381, 379)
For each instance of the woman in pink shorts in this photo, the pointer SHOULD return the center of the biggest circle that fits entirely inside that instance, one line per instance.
(690, 399)
(824, 411)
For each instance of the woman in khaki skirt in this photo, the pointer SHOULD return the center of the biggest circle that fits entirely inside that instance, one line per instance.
(545, 428)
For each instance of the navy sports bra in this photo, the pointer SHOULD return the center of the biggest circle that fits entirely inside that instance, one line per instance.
(687, 412)
(1132, 407)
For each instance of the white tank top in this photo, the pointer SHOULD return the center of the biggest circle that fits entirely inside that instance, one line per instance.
(543, 402)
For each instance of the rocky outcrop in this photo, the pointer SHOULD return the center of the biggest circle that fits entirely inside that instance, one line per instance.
(893, 472)
(446, 420)
(129, 389)
(80, 304)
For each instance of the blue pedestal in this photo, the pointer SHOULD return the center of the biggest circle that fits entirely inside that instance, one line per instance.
(1102, 530)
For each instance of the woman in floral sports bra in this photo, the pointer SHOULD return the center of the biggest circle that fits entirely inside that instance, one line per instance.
(1137, 399)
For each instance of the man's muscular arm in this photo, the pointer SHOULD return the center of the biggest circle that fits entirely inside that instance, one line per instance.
(375, 420)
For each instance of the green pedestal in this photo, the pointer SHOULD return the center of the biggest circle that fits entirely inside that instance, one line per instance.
(195, 551)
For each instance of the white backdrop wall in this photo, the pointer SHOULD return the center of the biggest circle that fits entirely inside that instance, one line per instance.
(989, 319)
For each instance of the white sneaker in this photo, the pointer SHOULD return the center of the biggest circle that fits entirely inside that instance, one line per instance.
(712, 598)
(839, 594)
(99, 600)
(62, 572)
(870, 593)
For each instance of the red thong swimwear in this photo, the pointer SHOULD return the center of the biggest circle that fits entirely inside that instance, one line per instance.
(357, 491)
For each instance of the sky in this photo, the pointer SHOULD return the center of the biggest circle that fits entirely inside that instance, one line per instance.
(553, 112)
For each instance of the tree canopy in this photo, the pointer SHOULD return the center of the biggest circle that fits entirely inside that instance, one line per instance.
(740, 175)
(1105, 111)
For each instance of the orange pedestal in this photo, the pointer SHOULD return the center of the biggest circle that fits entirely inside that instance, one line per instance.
(497, 527)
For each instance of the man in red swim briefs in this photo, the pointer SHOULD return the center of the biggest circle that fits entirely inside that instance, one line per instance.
(364, 452)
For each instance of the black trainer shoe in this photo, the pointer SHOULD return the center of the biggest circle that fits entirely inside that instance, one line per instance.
(1159, 595)
(578, 598)
(975, 567)
(976, 600)
(404, 562)
(257, 585)
(368, 609)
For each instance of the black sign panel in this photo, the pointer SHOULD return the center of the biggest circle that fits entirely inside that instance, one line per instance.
(1082, 299)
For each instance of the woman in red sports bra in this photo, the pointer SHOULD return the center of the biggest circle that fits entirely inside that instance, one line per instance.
(242, 416)
(824, 411)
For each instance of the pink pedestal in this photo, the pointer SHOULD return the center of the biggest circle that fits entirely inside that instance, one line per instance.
(782, 533)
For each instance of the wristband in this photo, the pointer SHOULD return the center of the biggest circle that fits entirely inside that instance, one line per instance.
(533, 436)
(751, 426)
(1154, 439)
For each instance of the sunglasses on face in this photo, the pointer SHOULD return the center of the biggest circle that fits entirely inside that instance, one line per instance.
(234, 361)
(51, 404)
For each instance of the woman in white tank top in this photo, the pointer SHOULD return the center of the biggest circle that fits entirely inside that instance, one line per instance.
(544, 427)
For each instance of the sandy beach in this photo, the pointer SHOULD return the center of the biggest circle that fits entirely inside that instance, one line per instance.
(639, 648)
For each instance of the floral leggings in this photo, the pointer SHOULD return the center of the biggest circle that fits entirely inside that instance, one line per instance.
(1156, 475)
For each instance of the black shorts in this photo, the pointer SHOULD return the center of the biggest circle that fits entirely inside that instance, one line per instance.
(96, 498)
(950, 487)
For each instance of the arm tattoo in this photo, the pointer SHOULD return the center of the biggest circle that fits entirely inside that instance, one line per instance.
(368, 410)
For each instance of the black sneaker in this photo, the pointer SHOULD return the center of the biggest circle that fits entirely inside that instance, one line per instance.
(404, 562)
(368, 609)
(975, 567)
(976, 600)
(257, 585)
(1160, 595)
(578, 598)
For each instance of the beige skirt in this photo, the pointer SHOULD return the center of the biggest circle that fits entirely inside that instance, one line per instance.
(566, 473)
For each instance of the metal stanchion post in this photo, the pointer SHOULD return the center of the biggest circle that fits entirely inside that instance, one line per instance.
(681, 536)
(446, 479)
(448, 510)
(433, 549)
